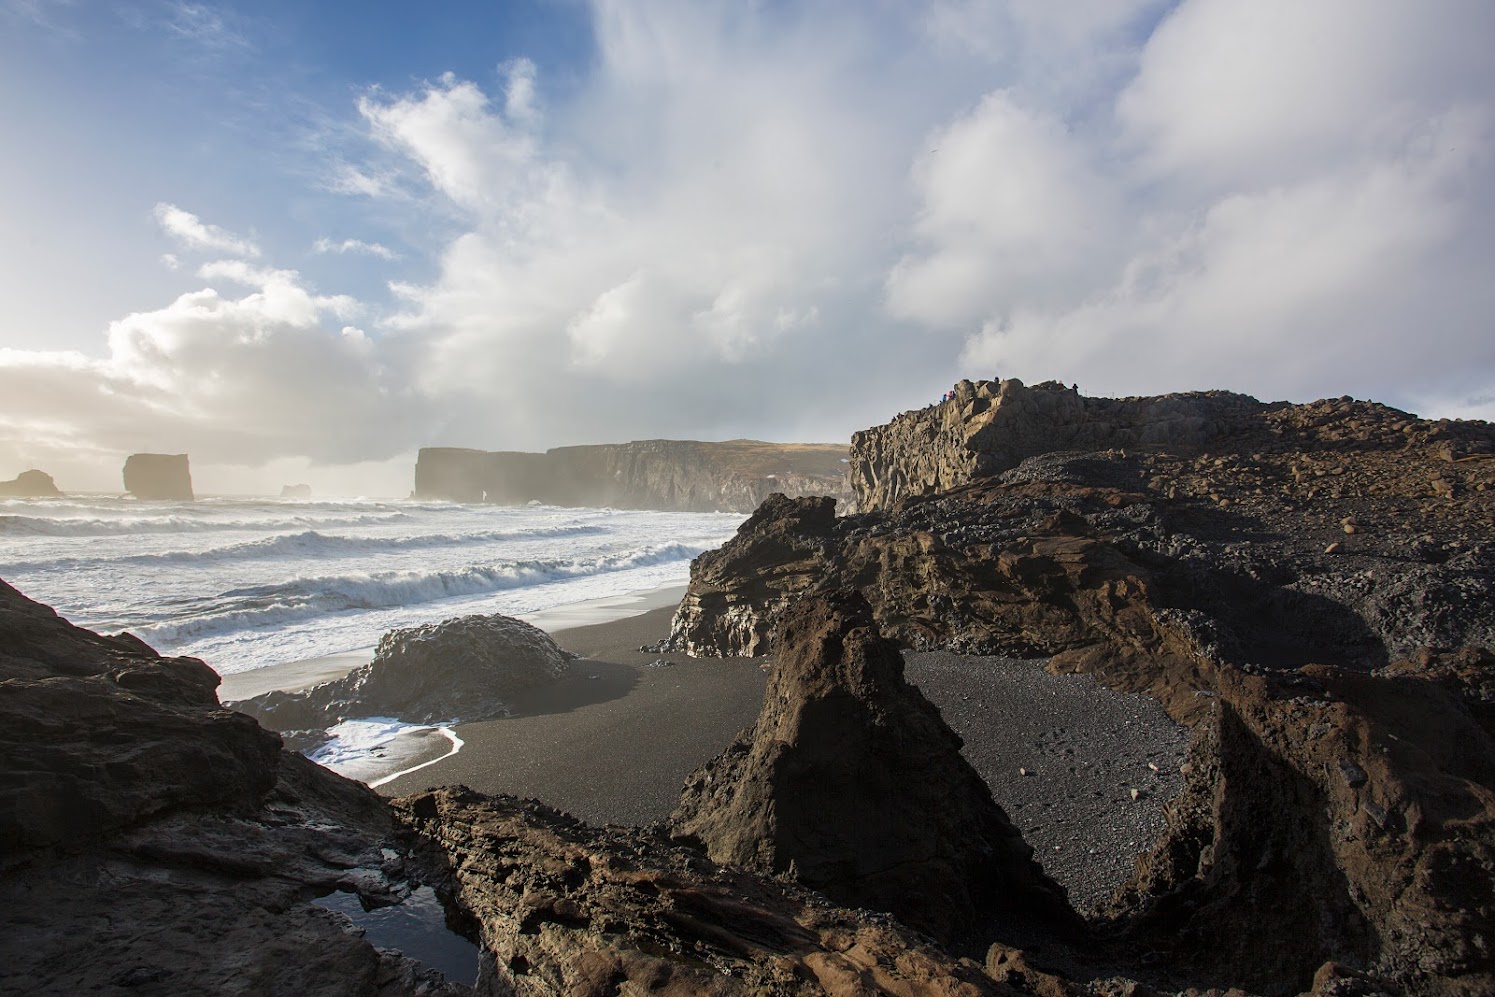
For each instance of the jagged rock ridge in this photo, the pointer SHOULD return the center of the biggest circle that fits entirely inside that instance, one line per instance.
(851, 783)
(992, 426)
(686, 475)
(159, 477)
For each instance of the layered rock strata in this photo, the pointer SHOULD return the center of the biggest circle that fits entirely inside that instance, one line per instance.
(992, 426)
(852, 784)
(30, 484)
(1311, 587)
(466, 668)
(733, 476)
(159, 477)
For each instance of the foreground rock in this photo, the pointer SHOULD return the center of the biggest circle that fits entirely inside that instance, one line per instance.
(157, 843)
(569, 909)
(159, 477)
(852, 784)
(1311, 587)
(686, 475)
(466, 668)
(30, 484)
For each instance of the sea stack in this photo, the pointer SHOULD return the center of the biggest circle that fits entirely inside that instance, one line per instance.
(295, 491)
(30, 484)
(159, 476)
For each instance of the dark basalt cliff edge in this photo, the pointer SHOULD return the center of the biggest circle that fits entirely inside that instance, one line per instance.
(30, 484)
(159, 476)
(686, 475)
(1312, 587)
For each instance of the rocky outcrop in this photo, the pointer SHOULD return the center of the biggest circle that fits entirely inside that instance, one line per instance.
(465, 668)
(1353, 813)
(300, 492)
(155, 842)
(734, 476)
(851, 783)
(992, 426)
(564, 908)
(159, 476)
(1298, 586)
(30, 484)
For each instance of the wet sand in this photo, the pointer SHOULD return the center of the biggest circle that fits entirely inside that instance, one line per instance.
(614, 739)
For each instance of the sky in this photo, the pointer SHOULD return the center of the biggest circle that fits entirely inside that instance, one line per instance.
(300, 241)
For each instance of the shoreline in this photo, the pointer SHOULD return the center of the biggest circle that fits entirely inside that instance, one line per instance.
(294, 676)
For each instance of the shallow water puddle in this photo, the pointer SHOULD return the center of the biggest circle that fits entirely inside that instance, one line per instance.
(416, 926)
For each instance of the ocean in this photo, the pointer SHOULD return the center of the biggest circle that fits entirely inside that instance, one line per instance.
(244, 583)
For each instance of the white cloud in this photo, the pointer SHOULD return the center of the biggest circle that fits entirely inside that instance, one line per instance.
(793, 220)
(358, 246)
(194, 233)
(232, 380)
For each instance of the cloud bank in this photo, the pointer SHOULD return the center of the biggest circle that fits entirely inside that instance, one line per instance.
(791, 223)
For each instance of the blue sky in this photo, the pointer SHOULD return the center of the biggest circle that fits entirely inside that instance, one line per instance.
(300, 240)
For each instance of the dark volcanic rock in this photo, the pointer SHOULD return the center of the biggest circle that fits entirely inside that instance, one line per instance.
(737, 590)
(101, 733)
(295, 491)
(464, 668)
(154, 476)
(30, 484)
(569, 909)
(992, 426)
(851, 783)
(731, 476)
(154, 842)
(1312, 587)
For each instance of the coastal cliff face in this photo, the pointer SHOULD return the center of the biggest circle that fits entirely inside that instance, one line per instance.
(30, 484)
(159, 477)
(992, 426)
(1311, 587)
(685, 475)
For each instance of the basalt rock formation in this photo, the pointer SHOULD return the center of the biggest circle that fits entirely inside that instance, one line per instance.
(686, 475)
(154, 842)
(1312, 587)
(30, 484)
(159, 476)
(851, 784)
(295, 491)
(465, 668)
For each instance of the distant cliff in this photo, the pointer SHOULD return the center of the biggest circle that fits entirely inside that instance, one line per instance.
(30, 484)
(159, 476)
(686, 475)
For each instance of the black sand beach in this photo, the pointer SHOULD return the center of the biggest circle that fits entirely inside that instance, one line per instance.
(613, 742)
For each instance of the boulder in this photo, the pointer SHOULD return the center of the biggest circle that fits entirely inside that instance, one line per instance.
(30, 484)
(159, 476)
(851, 783)
(466, 668)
